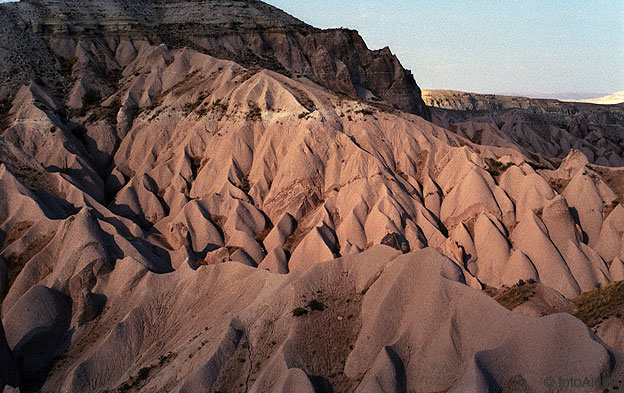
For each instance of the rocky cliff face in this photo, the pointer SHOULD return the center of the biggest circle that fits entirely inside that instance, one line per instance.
(44, 40)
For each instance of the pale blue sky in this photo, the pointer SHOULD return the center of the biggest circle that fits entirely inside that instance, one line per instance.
(496, 46)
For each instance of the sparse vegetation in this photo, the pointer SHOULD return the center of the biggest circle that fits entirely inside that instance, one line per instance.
(16, 262)
(539, 212)
(537, 166)
(217, 104)
(15, 232)
(491, 291)
(315, 305)
(90, 98)
(595, 306)
(558, 184)
(402, 174)
(5, 107)
(217, 107)
(511, 298)
(255, 113)
(262, 235)
(245, 186)
(312, 305)
(143, 374)
(108, 113)
(396, 241)
(299, 311)
(111, 111)
(112, 78)
(609, 208)
(365, 112)
(190, 107)
(232, 249)
(496, 168)
(303, 98)
(196, 163)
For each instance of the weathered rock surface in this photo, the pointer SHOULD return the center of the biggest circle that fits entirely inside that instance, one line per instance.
(49, 35)
(195, 207)
(36, 327)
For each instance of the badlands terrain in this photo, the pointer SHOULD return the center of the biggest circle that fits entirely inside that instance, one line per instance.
(213, 196)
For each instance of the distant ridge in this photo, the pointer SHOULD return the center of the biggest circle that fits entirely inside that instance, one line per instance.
(464, 101)
(611, 99)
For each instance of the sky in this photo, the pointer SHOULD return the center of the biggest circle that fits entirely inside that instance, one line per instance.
(536, 47)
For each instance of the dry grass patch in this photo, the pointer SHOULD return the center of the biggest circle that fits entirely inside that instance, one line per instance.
(15, 232)
(402, 174)
(595, 306)
(511, 298)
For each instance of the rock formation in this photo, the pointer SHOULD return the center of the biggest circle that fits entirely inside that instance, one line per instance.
(207, 196)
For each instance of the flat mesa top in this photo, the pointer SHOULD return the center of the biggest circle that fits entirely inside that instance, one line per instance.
(234, 14)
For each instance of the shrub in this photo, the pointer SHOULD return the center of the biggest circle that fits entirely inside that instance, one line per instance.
(315, 305)
(143, 373)
(496, 168)
(5, 107)
(365, 112)
(396, 241)
(255, 113)
(90, 98)
(245, 186)
(218, 104)
(299, 311)
(16, 262)
(196, 163)
(136, 381)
